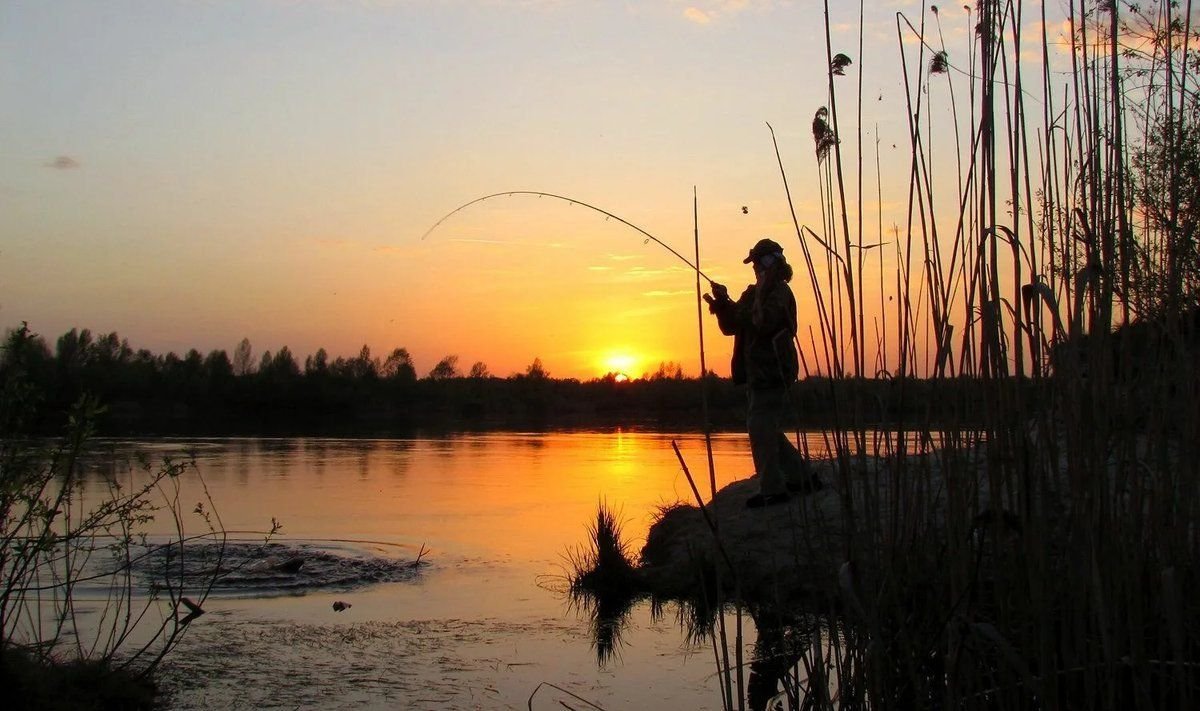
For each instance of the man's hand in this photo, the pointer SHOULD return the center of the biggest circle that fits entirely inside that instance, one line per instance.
(719, 293)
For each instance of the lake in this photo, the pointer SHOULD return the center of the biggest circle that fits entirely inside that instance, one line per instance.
(483, 622)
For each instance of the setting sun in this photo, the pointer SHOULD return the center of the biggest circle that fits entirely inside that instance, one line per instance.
(621, 363)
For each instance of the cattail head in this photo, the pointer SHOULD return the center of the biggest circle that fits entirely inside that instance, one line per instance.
(839, 63)
(939, 64)
(823, 135)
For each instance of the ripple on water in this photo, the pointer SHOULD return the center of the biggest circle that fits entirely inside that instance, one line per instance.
(276, 568)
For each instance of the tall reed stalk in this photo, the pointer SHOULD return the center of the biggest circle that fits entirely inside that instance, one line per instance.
(1028, 542)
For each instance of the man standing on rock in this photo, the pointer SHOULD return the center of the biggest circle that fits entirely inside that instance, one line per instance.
(763, 325)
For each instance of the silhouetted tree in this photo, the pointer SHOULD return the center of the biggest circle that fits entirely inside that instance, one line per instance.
(282, 366)
(110, 349)
(398, 366)
(217, 367)
(668, 370)
(242, 358)
(480, 370)
(446, 368)
(317, 364)
(364, 366)
(536, 370)
(27, 351)
(72, 348)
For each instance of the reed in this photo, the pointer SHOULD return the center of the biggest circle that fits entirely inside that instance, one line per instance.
(1040, 554)
(1022, 531)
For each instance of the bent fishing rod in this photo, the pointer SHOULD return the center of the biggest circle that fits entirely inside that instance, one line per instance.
(571, 201)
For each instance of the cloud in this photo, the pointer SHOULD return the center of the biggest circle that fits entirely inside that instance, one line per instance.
(63, 163)
(709, 10)
(661, 292)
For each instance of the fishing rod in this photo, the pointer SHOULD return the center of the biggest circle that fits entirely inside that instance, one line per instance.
(571, 201)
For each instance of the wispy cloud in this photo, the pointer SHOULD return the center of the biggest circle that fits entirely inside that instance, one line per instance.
(508, 243)
(390, 4)
(661, 292)
(709, 11)
(63, 163)
(468, 240)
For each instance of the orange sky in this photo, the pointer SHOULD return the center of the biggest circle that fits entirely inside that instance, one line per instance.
(189, 174)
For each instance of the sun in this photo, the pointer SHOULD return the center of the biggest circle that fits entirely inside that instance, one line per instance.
(619, 363)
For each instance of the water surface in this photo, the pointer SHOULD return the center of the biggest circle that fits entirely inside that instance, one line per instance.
(482, 623)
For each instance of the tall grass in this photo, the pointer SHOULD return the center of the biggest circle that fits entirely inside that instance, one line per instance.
(1042, 555)
(1029, 539)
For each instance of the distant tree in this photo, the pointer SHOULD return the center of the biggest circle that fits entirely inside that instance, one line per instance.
(25, 350)
(317, 364)
(243, 363)
(398, 366)
(282, 366)
(668, 370)
(480, 370)
(189, 372)
(536, 370)
(172, 369)
(264, 363)
(144, 355)
(217, 367)
(446, 368)
(72, 349)
(359, 367)
(193, 361)
(364, 367)
(109, 348)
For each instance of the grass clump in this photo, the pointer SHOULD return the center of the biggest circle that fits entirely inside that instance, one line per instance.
(604, 582)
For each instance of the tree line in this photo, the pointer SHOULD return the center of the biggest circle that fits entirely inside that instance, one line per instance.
(143, 393)
(277, 392)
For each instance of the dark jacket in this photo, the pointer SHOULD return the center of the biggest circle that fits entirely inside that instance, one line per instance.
(764, 351)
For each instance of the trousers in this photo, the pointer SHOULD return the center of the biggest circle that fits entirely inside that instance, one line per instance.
(776, 460)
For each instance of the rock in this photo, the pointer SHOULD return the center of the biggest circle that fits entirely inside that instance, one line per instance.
(763, 545)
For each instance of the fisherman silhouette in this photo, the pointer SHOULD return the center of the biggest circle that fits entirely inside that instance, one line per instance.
(763, 324)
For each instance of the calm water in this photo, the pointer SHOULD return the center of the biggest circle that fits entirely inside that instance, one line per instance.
(480, 626)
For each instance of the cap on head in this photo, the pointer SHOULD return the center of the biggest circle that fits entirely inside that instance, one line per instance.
(763, 247)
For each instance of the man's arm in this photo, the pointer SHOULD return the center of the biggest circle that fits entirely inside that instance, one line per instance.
(731, 315)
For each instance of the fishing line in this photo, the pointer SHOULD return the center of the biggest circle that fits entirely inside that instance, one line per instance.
(571, 201)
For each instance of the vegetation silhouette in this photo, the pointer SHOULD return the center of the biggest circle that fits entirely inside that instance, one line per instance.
(149, 394)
